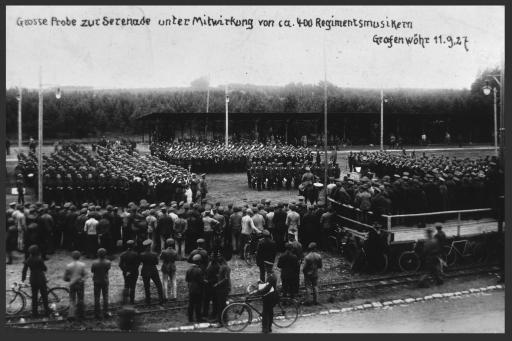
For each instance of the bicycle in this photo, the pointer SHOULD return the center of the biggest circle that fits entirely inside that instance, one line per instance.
(236, 316)
(464, 249)
(16, 299)
(411, 260)
(251, 247)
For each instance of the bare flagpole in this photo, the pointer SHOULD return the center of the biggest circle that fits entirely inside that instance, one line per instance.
(325, 126)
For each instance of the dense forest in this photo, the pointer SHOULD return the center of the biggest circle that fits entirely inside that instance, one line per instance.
(89, 112)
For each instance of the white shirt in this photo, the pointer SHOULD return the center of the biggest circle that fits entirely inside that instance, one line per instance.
(248, 225)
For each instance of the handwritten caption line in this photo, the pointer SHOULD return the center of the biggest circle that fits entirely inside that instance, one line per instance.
(328, 24)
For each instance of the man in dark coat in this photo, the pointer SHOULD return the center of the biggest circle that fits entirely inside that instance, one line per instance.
(290, 268)
(266, 251)
(202, 252)
(129, 263)
(149, 272)
(37, 279)
(99, 270)
(279, 222)
(222, 286)
(195, 280)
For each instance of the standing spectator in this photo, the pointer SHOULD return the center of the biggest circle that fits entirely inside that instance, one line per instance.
(151, 221)
(266, 251)
(32, 145)
(279, 222)
(209, 226)
(309, 226)
(21, 225)
(104, 233)
(203, 186)
(46, 226)
(129, 262)
(75, 274)
(195, 280)
(212, 272)
(92, 236)
(235, 222)
(270, 298)
(312, 263)
(37, 279)
(20, 188)
(326, 223)
(149, 272)
(431, 254)
(222, 286)
(290, 269)
(270, 221)
(11, 239)
(169, 257)
(201, 251)
(99, 270)
(247, 228)
(180, 231)
(259, 220)
(165, 227)
(8, 146)
(293, 221)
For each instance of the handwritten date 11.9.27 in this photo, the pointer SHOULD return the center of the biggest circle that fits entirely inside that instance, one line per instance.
(452, 41)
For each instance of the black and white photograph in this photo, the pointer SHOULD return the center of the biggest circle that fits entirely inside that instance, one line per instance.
(255, 169)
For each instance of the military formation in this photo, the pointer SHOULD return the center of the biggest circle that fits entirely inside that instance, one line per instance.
(113, 173)
(401, 183)
(215, 157)
(287, 173)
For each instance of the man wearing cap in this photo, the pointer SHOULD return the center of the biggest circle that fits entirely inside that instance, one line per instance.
(149, 272)
(268, 290)
(76, 274)
(195, 279)
(235, 223)
(202, 252)
(290, 269)
(293, 222)
(37, 279)
(169, 257)
(180, 232)
(222, 286)
(266, 251)
(99, 270)
(129, 262)
(312, 263)
(164, 229)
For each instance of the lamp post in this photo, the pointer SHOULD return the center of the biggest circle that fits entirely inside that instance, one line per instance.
(19, 98)
(381, 119)
(40, 137)
(487, 89)
(226, 137)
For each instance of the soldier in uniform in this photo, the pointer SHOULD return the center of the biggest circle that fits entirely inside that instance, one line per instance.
(149, 272)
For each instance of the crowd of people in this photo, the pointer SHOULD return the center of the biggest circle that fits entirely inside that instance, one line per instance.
(151, 234)
(111, 173)
(401, 184)
(214, 156)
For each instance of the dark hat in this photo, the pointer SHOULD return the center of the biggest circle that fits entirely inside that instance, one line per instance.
(33, 249)
(102, 252)
(75, 254)
(169, 242)
(130, 243)
(312, 246)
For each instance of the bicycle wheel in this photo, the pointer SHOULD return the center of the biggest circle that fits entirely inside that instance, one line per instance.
(286, 312)
(248, 254)
(409, 261)
(14, 303)
(236, 316)
(479, 253)
(58, 299)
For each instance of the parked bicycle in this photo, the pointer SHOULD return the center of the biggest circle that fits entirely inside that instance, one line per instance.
(16, 299)
(238, 315)
(465, 249)
(251, 247)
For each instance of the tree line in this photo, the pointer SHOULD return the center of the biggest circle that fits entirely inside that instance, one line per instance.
(89, 112)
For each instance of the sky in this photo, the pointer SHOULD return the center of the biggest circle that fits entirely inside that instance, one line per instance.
(167, 56)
